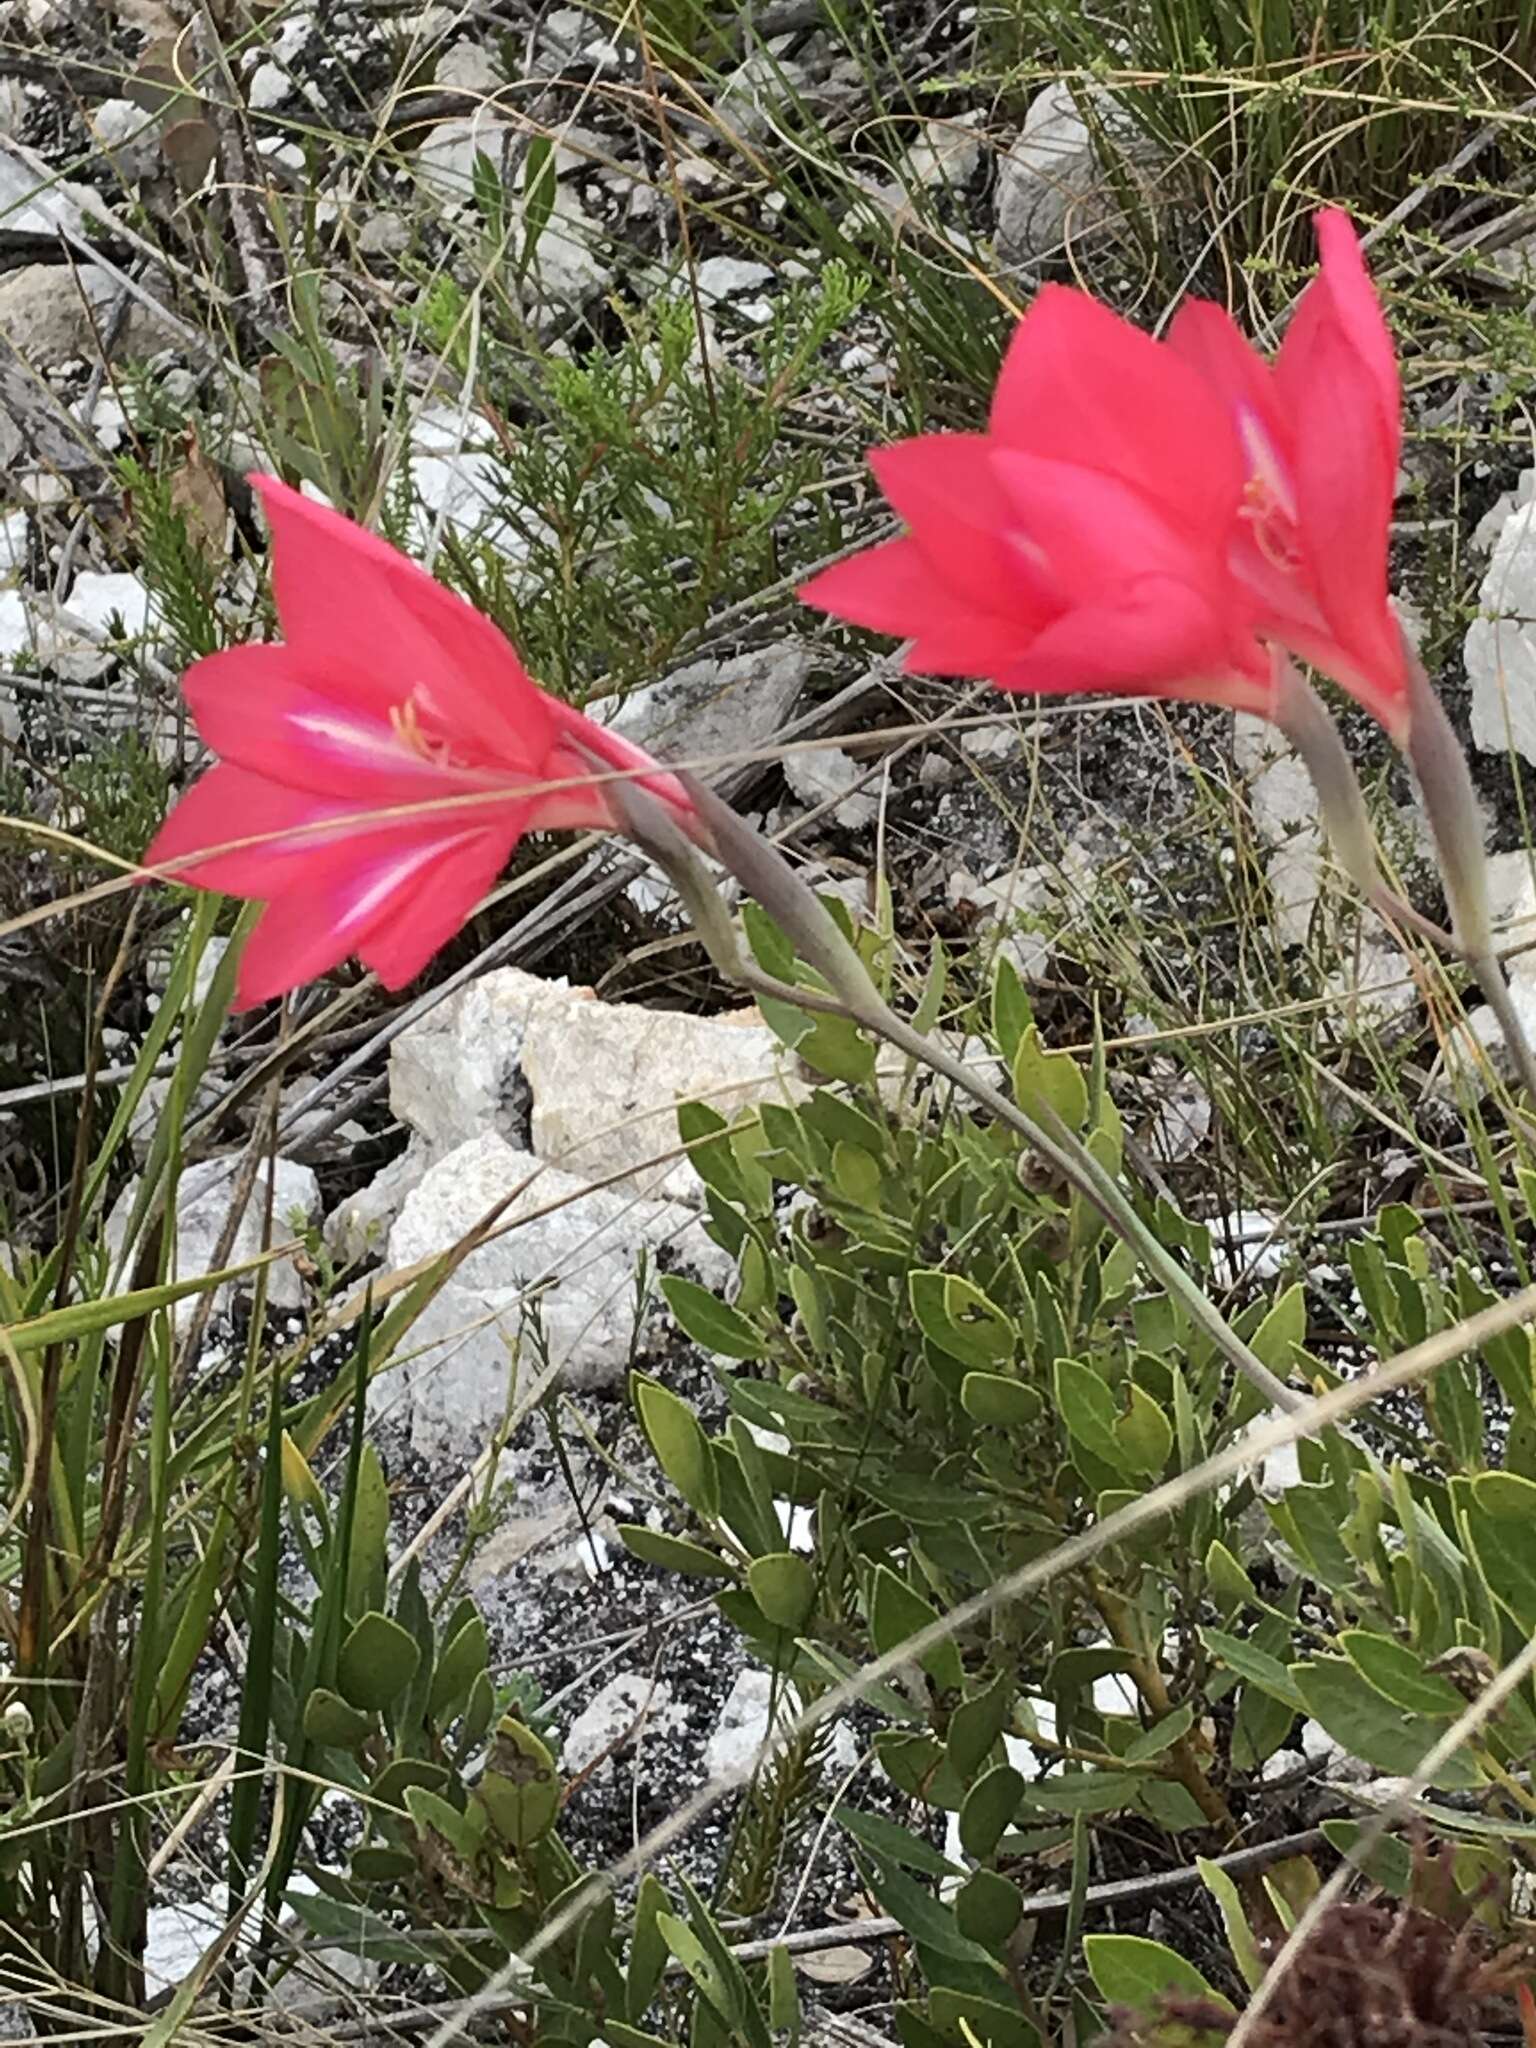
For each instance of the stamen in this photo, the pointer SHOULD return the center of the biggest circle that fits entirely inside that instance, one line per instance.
(405, 723)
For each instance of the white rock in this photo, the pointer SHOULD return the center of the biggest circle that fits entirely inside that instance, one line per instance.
(98, 599)
(571, 263)
(1283, 805)
(752, 94)
(468, 68)
(268, 86)
(555, 1229)
(13, 105)
(722, 277)
(129, 136)
(712, 709)
(1476, 1064)
(178, 1937)
(50, 312)
(1182, 1123)
(1487, 530)
(456, 475)
(946, 153)
(384, 234)
(358, 1227)
(17, 632)
(1372, 988)
(445, 162)
(742, 1728)
(1051, 186)
(1512, 906)
(35, 201)
(821, 773)
(1246, 1245)
(15, 528)
(202, 1209)
(605, 1078)
(628, 1708)
(1500, 647)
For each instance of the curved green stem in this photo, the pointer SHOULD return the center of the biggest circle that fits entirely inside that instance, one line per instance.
(761, 868)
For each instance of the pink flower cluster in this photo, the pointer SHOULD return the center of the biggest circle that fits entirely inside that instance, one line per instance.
(1140, 515)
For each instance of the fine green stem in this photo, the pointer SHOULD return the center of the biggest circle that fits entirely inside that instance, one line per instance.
(802, 915)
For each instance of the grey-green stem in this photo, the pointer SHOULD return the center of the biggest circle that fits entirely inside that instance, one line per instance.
(761, 868)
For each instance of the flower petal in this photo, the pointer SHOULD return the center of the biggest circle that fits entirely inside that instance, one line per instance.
(1081, 385)
(1344, 491)
(256, 707)
(1160, 637)
(245, 835)
(1094, 530)
(442, 899)
(370, 901)
(945, 488)
(894, 589)
(383, 631)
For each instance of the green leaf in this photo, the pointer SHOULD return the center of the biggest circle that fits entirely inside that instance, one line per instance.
(1368, 1726)
(681, 1447)
(673, 1553)
(647, 1948)
(1227, 1582)
(1128, 1969)
(1012, 1016)
(1501, 1522)
(700, 1965)
(1254, 1664)
(330, 1721)
(1082, 1792)
(368, 1556)
(1087, 1407)
(988, 1908)
(957, 1318)
(970, 2021)
(1045, 1080)
(711, 1323)
(989, 1808)
(783, 1994)
(997, 1402)
(457, 1669)
(1245, 1950)
(897, 1613)
(784, 1587)
(976, 1724)
(1398, 1673)
(378, 1660)
(1161, 1735)
(1144, 1435)
(706, 1134)
(893, 1844)
(519, 1787)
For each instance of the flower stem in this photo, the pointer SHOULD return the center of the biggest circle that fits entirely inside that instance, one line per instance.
(761, 868)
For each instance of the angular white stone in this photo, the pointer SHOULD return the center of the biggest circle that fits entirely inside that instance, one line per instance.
(606, 1078)
(1051, 185)
(572, 1247)
(202, 1208)
(1500, 647)
(610, 1718)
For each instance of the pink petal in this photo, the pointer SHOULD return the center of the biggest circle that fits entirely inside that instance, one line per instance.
(1344, 488)
(1357, 308)
(1094, 530)
(1081, 385)
(255, 707)
(370, 901)
(894, 589)
(442, 899)
(1160, 637)
(294, 941)
(382, 630)
(945, 488)
(585, 737)
(228, 806)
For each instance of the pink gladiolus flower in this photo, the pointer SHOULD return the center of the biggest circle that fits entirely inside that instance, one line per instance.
(1082, 542)
(1321, 430)
(387, 694)
(1141, 516)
